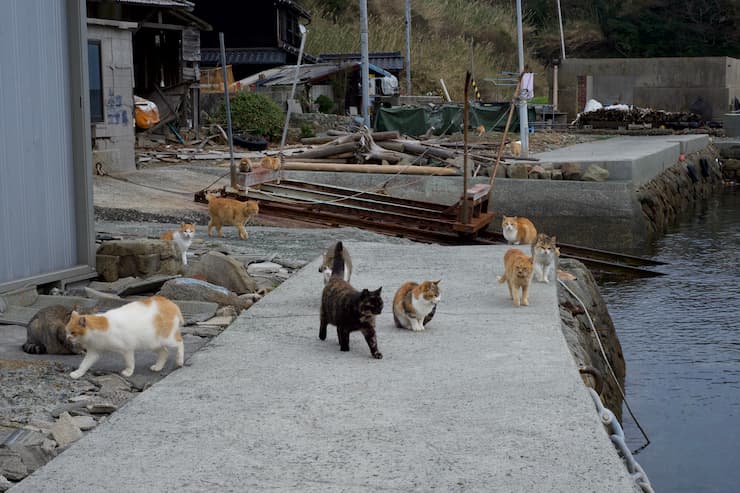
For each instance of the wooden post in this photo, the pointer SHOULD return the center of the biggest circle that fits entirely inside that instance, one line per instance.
(506, 131)
(466, 169)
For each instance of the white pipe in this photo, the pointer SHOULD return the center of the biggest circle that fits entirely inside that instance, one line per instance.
(523, 120)
(408, 47)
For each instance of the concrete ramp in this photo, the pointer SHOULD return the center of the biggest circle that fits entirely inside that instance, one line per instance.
(486, 399)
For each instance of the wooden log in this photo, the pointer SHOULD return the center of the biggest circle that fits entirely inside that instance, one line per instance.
(371, 168)
(345, 137)
(327, 151)
(316, 140)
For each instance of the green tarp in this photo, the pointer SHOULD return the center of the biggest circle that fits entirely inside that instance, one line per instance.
(446, 119)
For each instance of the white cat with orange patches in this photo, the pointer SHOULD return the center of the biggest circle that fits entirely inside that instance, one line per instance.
(153, 323)
(182, 238)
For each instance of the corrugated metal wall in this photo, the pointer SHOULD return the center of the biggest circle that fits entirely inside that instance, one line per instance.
(37, 196)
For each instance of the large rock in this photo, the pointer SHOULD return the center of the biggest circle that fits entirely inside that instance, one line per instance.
(24, 452)
(223, 270)
(571, 171)
(579, 336)
(539, 173)
(196, 290)
(518, 170)
(596, 173)
(137, 258)
(65, 430)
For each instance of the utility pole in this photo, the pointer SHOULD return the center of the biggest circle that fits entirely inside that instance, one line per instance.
(232, 166)
(408, 47)
(295, 82)
(365, 63)
(523, 120)
(562, 38)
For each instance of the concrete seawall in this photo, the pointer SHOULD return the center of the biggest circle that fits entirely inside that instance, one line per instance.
(608, 215)
(488, 398)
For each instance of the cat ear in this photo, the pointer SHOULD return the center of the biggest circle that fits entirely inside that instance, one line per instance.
(83, 322)
(377, 292)
(437, 281)
(365, 293)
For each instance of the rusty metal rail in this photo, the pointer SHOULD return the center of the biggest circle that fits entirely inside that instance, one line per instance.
(420, 221)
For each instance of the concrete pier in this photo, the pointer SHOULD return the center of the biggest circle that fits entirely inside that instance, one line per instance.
(488, 398)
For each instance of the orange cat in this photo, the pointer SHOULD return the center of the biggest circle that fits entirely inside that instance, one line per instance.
(245, 165)
(518, 230)
(270, 162)
(152, 323)
(225, 211)
(518, 270)
(414, 304)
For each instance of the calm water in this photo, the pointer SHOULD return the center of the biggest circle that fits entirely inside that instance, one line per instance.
(680, 336)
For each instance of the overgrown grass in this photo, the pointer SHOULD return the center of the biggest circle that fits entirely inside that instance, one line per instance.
(442, 32)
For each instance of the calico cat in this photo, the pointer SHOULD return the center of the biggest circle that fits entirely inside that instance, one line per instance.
(230, 212)
(414, 304)
(545, 254)
(517, 274)
(328, 261)
(182, 239)
(518, 230)
(46, 333)
(349, 309)
(153, 323)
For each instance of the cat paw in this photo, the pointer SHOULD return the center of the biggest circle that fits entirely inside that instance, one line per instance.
(127, 372)
(76, 374)
(378, 355)
(156, 368)
(525, 303)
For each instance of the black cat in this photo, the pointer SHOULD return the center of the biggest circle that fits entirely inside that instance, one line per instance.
(349, 309)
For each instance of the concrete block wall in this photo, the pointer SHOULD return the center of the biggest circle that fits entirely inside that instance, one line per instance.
(113, 139)
(670, 84)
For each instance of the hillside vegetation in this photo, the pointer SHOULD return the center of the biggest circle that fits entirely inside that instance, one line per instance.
(451, 36)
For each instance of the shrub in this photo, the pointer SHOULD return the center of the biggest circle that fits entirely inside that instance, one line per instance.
(325, 103)
(307, 131)
(254, 113)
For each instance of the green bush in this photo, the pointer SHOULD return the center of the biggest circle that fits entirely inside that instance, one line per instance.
(254, 113)
(307, 131)
(325, 103)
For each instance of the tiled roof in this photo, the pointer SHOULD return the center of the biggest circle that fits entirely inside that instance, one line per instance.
(387, 60)
(244, 56)
(251, 56)
(186, 4)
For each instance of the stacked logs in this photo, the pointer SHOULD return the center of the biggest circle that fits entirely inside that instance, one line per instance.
(386, 152)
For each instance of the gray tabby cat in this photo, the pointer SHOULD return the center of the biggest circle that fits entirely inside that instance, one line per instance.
(46, 333)
(545, 254)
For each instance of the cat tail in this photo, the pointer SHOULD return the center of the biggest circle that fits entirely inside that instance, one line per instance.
(337, 268)
(32, 348)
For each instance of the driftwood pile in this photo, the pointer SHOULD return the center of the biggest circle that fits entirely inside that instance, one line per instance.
(388, 152)
(613, 118)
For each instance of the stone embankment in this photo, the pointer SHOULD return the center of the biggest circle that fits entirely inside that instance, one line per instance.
(678, 187)
(583, 340)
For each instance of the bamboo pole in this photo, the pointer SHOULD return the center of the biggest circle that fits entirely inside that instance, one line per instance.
(506, 131)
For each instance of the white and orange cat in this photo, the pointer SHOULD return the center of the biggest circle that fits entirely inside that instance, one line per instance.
(182, 238)
(545, 253)
(518, 269)
(518, 230)
(153, 323)
(414, 304)
(230, 212)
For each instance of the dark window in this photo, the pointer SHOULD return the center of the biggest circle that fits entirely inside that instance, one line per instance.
(291, 33)
(96, 81)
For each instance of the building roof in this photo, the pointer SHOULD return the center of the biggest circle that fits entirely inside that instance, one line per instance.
(387, 60)
(297, 8)
(311, 74)
(186, 4)
(249, 56)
